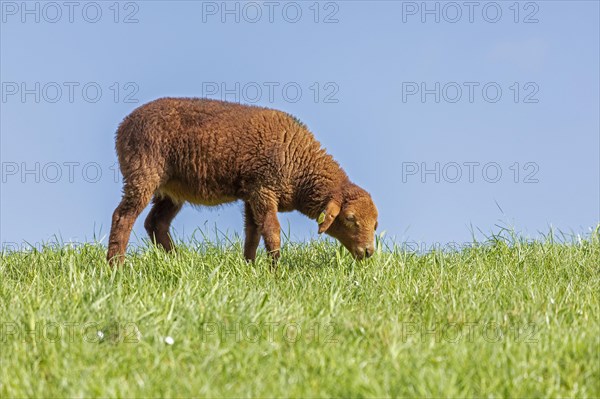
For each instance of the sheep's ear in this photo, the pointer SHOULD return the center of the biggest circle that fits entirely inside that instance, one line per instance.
(328, 216)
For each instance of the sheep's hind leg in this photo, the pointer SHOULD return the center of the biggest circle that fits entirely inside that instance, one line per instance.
(252, 235)
(159, 220)
(135, 199)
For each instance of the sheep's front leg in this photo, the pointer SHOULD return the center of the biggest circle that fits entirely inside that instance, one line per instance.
(265, 216)
(252, 234)
(271, 235)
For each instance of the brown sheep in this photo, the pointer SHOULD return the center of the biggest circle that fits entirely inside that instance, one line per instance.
(210, 152)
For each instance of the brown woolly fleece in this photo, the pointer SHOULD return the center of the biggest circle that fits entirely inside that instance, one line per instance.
(209, 152)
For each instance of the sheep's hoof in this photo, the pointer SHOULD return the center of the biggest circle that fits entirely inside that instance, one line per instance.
(115, 260)
(274, 259)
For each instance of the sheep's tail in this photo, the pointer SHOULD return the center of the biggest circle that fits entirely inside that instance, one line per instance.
(136, 152)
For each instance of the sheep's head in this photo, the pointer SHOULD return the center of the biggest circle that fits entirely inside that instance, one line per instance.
(352, 220)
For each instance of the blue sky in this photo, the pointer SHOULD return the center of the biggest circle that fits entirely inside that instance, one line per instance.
(487, 116)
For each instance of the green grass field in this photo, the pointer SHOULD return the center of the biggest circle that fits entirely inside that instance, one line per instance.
(505, 318)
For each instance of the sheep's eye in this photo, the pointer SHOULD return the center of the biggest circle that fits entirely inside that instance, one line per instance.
(376, 224)
(350, 218)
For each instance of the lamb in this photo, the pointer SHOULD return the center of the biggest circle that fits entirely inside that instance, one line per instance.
(210, 152)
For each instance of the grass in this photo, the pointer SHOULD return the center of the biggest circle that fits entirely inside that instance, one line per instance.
(504, 318)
